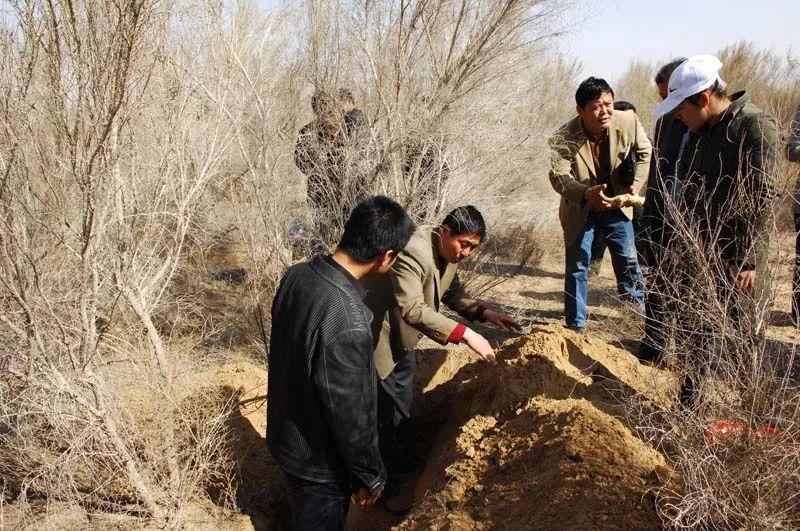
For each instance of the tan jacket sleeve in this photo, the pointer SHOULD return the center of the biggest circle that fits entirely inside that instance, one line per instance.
(407, 275)
(457, 300)
(644, 151)
(561, 177)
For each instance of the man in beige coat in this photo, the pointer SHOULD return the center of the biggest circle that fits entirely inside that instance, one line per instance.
(408, 308)
(589, 156)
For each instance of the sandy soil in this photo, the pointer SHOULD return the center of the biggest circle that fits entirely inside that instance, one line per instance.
(537, 441)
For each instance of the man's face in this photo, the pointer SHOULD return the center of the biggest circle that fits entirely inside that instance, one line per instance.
(455, 248)
(596, 116)
(663, 90)
(346, 105)
(693, 116)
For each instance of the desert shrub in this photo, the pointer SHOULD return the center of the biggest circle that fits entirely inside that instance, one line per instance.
(510, 250)
(142, 142)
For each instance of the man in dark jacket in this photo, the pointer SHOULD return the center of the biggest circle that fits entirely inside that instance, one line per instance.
(726, 171)
(793, 154)
(334, 152)
(321, 399)
(669, 139)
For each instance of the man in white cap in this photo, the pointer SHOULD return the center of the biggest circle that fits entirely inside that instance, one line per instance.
(726, 172)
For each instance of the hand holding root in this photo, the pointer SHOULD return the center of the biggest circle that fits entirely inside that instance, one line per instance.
(627, 200)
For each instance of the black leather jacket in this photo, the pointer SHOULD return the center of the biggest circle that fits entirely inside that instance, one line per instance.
(321, 398)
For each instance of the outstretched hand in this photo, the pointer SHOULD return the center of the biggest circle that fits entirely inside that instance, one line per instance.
(478, 343)
(598, 201)
(501, 320)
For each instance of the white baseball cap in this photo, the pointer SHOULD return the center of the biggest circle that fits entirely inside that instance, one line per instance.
(694, 75)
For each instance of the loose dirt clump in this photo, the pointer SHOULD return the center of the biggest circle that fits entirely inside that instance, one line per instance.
(534, 443)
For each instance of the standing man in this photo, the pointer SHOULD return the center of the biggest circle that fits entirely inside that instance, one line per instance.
(333, 152)
(670, 137)
(793, 154)
(726, 171)
(587, 154)
(408, 307)
(321, 399)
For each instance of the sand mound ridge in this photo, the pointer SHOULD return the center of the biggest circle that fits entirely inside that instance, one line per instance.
(534, 443)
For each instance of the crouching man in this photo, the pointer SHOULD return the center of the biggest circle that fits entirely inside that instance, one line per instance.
(407, 307)
(321, 399)
(588, 152)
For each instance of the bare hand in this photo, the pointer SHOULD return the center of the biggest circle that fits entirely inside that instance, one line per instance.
(364, 498)
(501, 320)
(629, 190)
(598, 201)
(478, 343)
(743, 280)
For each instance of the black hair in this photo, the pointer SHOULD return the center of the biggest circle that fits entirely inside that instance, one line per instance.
(346, 94)
(717, 89)
(664, 73)
(465, 220)
(622, 105)
(322, 102)
(376, 225)
(591, 89)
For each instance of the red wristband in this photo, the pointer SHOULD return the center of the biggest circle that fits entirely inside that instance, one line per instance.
(457, 334)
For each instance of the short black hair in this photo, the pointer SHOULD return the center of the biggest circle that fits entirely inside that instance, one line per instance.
(322, 102)
(590, 89)
(376, 225)
(346, 94)
(664, 73)
(465, 220)
(622, 105)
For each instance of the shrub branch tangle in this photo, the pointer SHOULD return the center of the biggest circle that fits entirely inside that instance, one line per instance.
(749, 476)
(136, 134)
(108, 145)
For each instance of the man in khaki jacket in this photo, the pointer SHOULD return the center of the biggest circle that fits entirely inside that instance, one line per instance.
(588, 154)
(408, 308)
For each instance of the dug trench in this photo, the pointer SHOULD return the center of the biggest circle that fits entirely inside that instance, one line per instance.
(533, 442)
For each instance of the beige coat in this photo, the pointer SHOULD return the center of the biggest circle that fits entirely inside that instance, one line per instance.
(406, 303)
(572, 167)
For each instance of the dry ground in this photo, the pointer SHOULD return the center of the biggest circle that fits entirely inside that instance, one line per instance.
(535, 442)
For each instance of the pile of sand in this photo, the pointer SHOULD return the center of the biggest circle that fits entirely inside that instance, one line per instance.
(534, 443)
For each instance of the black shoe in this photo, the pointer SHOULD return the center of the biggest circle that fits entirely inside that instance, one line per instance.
(649, 353)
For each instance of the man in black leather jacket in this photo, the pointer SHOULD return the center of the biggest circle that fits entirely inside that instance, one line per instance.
(321, 398)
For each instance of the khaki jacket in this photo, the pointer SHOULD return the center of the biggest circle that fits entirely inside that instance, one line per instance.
(572, 170)
(406, 302)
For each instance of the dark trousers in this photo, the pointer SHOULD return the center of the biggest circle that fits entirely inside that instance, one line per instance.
(317, 506)
(796, 280)
(395, 394)
(659, 295)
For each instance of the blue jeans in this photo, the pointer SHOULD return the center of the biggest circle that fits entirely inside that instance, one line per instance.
(617, 231)
(317, 506)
